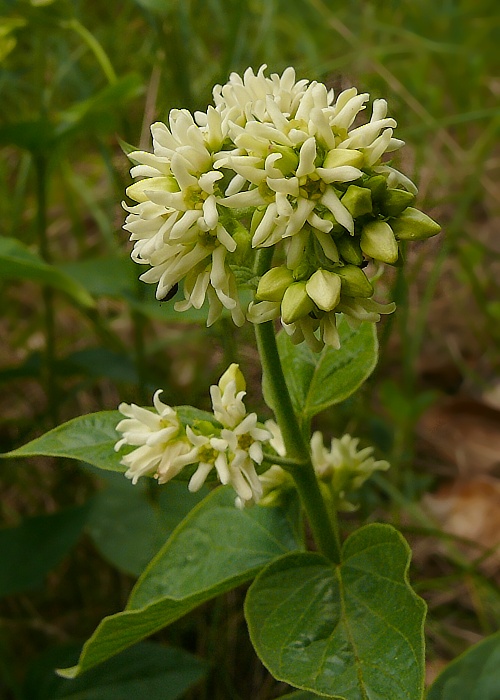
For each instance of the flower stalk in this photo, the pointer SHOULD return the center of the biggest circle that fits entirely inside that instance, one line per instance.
(322, 521)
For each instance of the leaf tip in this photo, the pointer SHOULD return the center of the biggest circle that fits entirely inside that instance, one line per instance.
(70, 672)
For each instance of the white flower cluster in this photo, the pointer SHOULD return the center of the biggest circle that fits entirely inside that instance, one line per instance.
(286, 157)
(164, 445)
(341, 469)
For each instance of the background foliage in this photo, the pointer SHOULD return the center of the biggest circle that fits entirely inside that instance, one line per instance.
(80, 333)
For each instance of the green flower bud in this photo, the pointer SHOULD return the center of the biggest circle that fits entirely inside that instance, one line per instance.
(233, 372)
(378, 242)
(357, 200)
(354, 282)
(304, 269)
(204, 427)
(296, 303)
(161, 184)
(377, 184)
(289, 159)
(349, 249)
(414, 225)
(323, 287)
(343, 156)
(273, 284)
(243, 240)
(396, 201)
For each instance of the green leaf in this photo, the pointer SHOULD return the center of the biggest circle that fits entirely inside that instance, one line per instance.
(216, 548)
(109, 276)
(19, 262)
(128, 528)
(146, 670)
(101, 110)
(352, 631)
(92, 439)
(472, 676)
(28, 552)
(319, 380)
(89, 438)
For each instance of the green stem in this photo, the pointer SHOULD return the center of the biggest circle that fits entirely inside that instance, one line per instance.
(139, 324)
(96, 48)
(322, 521)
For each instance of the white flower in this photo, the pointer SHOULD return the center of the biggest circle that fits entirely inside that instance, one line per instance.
(240, 443)
(276, 441)
(343, 467)
(243, 98)
(175, 225)
(227, 400)
(162, 448)
(244, 450)
(208, 451)
(233, 454)
(294, 142)
(215, 281)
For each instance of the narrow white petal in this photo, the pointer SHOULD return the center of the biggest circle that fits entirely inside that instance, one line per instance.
(333, 203)
(307, 157)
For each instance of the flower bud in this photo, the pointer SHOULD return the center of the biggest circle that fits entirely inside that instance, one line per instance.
(357, 200)
(377, 184)
(303, 269)
(323, 288)
(243, 240)
(339, 157)
(137, 190)
(273, 284)
(378, 242)
(349, 249)
(395, 201)
(354, 282)
(414, 225)
(233, 372)
(296, 303)
(289, 159)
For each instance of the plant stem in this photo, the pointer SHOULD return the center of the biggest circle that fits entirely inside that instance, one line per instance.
(323, 522)
(95, 47)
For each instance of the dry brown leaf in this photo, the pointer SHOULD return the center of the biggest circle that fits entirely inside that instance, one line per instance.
(470, 509)
(465, 432)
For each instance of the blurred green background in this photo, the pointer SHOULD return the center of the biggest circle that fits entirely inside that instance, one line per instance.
(78, 82)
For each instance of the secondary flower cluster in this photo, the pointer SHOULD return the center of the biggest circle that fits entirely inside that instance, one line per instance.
(340, 470)
(230, 443)
(284, 158)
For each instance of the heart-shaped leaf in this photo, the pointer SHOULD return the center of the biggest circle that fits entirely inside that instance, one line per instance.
(352, 631)
(216, 548)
